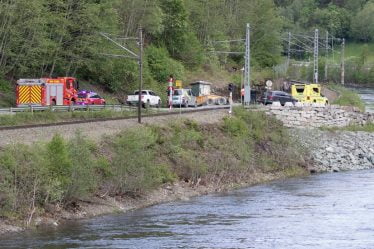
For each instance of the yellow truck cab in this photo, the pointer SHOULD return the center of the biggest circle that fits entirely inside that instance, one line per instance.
(308, 93)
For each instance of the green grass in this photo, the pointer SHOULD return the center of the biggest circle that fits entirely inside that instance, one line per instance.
(347, 97)
(47, 117)
(366, 128)
(354, 51)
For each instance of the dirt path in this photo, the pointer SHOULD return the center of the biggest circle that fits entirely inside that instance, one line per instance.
(96, 130)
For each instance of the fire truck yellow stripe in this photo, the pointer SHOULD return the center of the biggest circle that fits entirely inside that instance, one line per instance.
(23, 94)
(30, 94)
(35, 95)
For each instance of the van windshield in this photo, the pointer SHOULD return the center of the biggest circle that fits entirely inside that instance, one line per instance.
(178, 92)
(143, 93)
(300, 89)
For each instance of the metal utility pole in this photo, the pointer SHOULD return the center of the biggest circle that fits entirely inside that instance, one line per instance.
(326, 56)
(247, 67)
(289, 50)
(343, 63)
(315, 76)
(140, 58)
(133, 55)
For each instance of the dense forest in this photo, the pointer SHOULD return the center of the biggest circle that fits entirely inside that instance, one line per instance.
(62, 37)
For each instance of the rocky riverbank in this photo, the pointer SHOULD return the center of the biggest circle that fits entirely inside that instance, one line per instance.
(334, 151)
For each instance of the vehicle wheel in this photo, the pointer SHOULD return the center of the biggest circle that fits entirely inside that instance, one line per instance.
(186, 105)
(159, 104)
(148, 104)
(210, 102)
(221, 101)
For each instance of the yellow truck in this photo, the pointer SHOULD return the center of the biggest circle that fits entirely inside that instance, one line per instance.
(308, 93)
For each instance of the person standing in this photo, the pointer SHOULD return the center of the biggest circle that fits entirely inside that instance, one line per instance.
(170, 91)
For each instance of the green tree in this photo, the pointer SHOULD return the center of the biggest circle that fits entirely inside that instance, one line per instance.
(362, 24)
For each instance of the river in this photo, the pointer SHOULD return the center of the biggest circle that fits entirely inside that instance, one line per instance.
(367, 95)
(320, 211)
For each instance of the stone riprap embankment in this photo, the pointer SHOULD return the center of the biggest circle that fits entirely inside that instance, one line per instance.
(337, 151)
(319, 116)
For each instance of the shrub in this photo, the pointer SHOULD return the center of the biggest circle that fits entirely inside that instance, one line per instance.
(133, 164)
(161, 65)
(84, 179)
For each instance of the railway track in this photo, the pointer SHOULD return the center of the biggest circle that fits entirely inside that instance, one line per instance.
(97, 120)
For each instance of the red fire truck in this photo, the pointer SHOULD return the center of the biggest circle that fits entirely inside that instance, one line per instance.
(47, 91)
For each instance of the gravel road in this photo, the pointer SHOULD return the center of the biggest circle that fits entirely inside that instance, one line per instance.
(96, 130)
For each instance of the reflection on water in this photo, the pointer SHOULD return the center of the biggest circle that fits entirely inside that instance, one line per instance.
(321, 211)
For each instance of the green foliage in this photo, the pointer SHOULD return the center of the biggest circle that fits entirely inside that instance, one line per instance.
(161, 65)
(133, 164)
(59, 163)
(347, 97)
(84, 179)
(362, 24)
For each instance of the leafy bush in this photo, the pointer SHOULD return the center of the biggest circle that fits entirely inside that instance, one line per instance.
(161, 65)
(133, 164)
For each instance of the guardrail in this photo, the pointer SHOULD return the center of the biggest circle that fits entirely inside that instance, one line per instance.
(96, 120)
(69, 108)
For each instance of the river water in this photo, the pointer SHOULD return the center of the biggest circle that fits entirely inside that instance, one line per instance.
(320, 211)
(367, 95)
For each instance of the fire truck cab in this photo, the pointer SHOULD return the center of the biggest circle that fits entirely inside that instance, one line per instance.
(47, 91)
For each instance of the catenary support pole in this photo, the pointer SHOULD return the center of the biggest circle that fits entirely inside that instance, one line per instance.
(140, 75)
(316, 45)
(326, 56)
(289, 51)
(247, 67)
(343, 63)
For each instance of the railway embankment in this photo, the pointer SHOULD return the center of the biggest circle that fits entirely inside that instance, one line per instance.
(74, 177)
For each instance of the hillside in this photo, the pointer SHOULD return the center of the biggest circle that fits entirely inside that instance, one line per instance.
(188, 39)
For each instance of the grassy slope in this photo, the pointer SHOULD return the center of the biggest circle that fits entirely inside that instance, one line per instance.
(347, 97)
(354, 50)
(141, 159)
(47, 117)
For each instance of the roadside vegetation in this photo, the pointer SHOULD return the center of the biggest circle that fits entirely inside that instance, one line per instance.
(366, 128)
(347, 97)
(48, 117)
(46, 177)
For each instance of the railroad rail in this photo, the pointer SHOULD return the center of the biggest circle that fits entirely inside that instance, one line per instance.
(165, 113)
(65, 108)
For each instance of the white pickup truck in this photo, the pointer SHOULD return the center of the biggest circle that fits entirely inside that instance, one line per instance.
(149, 98)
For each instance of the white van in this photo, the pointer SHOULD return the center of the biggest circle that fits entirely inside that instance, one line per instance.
(183, 97)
